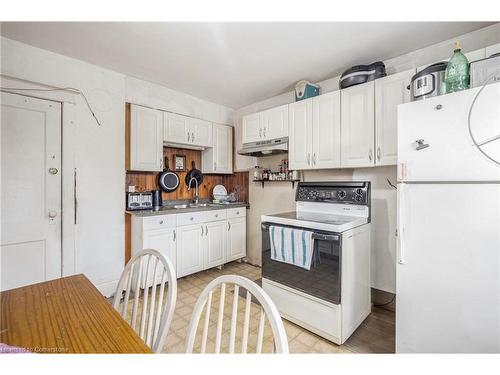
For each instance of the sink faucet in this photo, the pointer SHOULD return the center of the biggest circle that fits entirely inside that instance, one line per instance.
(196, 191)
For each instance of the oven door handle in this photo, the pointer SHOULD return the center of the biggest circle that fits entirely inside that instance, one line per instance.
(316, 236)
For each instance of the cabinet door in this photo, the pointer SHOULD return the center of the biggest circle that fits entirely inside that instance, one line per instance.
(164, 241)
(252, 128)
(491, 50)
(146, 144)
(223, 148)
(176, 128)
(275, 122)
(326, 131)
(236, 239)
(215, 243)
(390, 91)
(189, 249)
(201, 132)
(357, 125)
(300, 134)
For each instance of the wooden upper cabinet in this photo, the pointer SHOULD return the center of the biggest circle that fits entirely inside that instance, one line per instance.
(252, 128)
(146, 140)
(219, 158)
(175, 128)
(326, 131)
(390, 91)
(358, 125)
(201, 132)
(275, 122)
(300, 134)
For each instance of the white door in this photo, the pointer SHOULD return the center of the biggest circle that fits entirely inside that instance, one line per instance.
(275, 122)
(215, 242)
(300, 134)
(236, 239)
(326, 131)
(201, 132)
(190, 258)
(146, 146)
(252, 128)
(434, 143)
(223, 148)
(30, 191)
(448, 272)
(176, 128)
(358, 125)
(164, 241)
(390, 91)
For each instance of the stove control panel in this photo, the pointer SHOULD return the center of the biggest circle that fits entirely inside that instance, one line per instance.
(334, 192)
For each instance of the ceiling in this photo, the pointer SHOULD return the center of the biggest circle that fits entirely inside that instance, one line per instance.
(234, 64)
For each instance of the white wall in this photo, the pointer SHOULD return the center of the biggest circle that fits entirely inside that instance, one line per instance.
(276, 197)
(99, 151)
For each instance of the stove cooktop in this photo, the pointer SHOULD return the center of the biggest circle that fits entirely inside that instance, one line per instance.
(316, 220)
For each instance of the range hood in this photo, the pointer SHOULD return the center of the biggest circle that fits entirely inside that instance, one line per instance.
(265, 148)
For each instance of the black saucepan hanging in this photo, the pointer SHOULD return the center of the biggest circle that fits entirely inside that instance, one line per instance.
(196, 173)
(168, 180)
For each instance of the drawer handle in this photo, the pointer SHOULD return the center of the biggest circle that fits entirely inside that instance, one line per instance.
(237, 212)
(161, 221)
(191, 218)
(216, 215)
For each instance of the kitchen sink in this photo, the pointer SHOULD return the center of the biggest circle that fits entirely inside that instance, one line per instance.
(180, 206)
(191, 205)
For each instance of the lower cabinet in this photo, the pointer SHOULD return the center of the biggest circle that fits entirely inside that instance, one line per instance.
(190, 254)
(210, 242)
(215, 243)
(236, 247)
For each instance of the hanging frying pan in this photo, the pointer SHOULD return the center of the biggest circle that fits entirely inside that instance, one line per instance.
(168, 180)
(196, 173)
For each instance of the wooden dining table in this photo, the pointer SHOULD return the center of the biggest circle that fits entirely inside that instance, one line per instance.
(66, 315)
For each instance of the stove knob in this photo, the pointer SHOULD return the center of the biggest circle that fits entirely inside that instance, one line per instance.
(359, 191)
(358, 198)
(341, 194)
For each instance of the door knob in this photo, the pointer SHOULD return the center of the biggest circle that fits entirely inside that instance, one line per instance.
(53, 170)
(52, 214)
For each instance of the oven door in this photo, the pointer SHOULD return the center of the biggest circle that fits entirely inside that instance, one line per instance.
(322, 280)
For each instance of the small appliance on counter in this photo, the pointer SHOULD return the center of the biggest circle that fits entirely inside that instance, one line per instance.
(362, 73)
(140, 201)
(482, 70)
(428, 82)
(305, 90)
(157, 199)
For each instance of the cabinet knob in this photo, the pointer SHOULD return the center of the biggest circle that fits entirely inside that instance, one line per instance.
(161, 221)
(370, 155)
(216, 215)
(191, 218)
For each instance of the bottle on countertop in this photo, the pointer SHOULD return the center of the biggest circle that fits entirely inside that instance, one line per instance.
(456, 76)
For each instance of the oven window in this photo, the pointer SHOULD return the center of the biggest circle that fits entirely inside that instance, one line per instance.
(321, 281)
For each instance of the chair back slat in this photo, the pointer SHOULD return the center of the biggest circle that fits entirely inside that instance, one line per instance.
(246, 324)
(205, 325)
(234, 316)
(267, 310)
(145, 277)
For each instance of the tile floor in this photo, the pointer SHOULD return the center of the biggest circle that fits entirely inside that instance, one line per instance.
(375, 335)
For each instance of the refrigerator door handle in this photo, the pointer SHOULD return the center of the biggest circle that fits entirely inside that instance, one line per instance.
(401, 224)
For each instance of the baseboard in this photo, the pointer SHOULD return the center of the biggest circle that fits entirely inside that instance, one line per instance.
(383, 299)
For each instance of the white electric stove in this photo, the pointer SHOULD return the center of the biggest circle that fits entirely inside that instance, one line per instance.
(332, 298)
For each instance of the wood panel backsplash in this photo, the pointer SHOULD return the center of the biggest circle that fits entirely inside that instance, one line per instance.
(145, 181)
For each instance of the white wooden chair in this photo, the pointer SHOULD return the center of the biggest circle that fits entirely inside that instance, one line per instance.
(267, 309)
(137, 278)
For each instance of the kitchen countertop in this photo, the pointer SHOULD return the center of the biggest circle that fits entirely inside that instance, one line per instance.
(170, 210)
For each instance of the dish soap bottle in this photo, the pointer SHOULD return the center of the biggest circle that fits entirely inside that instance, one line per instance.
(456, 77)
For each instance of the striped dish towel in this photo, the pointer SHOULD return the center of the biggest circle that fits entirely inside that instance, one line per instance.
(293, 246)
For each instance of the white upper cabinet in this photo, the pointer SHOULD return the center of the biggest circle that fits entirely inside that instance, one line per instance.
(300, 134)
(326, 131)
(390, 91)
(357, 125)
(275, 122)
(146, 141)
(201, 132)
(491, 50)
(175, 128)
(252, 128)
(219, 158)
(265, 125)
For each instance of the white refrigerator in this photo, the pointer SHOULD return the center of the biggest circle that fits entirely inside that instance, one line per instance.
(448, 263)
